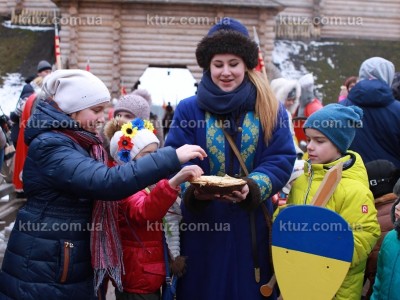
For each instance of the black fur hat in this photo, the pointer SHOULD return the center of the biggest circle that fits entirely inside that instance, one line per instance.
(227, 36)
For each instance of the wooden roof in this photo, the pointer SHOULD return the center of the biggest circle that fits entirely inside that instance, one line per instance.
(242, 3)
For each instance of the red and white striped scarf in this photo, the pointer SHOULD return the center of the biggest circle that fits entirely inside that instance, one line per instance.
(105, 241)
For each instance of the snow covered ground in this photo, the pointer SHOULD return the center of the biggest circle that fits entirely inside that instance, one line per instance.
(10, 91)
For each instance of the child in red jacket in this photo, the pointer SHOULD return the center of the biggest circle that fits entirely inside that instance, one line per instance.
(140, 216)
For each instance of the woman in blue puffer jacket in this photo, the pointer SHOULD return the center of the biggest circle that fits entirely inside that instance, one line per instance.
(65, 226)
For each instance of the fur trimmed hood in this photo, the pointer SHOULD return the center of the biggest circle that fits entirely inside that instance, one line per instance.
(110, 128)
(281, 87)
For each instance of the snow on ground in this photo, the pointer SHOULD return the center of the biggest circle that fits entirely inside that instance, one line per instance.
(7, 24)
(281, 57)
(10, 91)
(285, 49)
(4, 235)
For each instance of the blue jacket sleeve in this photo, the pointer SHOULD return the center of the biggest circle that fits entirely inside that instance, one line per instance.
(274, 162)
(65, 166)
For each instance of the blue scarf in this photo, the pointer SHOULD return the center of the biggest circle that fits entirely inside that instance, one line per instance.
(226, 105)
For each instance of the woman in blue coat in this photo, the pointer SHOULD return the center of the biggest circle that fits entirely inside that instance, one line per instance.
(61, 231)
(225, 237)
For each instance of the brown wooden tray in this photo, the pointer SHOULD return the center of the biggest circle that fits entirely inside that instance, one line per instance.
(218, 184)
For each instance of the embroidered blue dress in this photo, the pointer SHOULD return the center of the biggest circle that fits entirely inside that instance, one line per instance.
(217, 239)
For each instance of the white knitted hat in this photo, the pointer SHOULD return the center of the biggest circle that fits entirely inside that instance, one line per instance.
(131, 139)
(75, 90)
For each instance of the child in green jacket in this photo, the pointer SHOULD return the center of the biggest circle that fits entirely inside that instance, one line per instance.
(330, 132)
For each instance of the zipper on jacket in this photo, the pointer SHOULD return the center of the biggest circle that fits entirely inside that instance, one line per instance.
(310, 178)
(67, 254)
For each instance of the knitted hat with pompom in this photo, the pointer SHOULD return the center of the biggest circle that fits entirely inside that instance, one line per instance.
(136, 103)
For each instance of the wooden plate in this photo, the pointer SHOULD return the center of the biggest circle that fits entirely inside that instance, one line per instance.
(219, 184)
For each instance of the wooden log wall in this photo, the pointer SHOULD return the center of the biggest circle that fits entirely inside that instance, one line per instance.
(340, 19)
(6, 6)
(378, 19)
(369, 19)
(121, 39)
(130, 37)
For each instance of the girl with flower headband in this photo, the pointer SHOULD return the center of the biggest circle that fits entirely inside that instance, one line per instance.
(128, 107)
(141, 216)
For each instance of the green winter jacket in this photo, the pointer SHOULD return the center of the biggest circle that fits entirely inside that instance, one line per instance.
(387, 280)
(354, 201)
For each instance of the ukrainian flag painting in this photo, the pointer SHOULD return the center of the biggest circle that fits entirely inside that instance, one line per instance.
(312, 249)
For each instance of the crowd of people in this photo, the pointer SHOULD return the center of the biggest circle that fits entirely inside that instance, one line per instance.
(98, 190)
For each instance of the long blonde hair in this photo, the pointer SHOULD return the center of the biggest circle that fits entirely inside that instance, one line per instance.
(266, 104)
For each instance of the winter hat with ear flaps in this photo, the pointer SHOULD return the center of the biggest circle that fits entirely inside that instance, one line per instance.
(338, 123)
(75, 90)
(228, 36)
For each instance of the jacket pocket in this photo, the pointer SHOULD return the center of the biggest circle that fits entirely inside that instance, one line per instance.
(66, 254)
(154, 268)
(153, 276)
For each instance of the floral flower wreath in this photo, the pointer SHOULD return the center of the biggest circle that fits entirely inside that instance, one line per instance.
(129, 130)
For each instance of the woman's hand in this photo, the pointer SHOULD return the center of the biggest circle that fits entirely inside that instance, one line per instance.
(235, 197)
(189, 152)
(200, 195)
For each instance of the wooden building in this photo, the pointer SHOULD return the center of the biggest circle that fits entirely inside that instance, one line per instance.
(122, 38)
(360, 19)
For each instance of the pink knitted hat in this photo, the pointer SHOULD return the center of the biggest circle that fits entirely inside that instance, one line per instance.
(137, 103)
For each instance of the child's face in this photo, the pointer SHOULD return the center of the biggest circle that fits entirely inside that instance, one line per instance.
(90, 118)
(320, 149)
(397, 211)
(289, 103)
(124, 117)
(147, 150)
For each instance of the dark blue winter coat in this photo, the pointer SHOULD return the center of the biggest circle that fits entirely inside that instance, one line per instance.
(217, 238)
(379, 138)
(48, 253)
